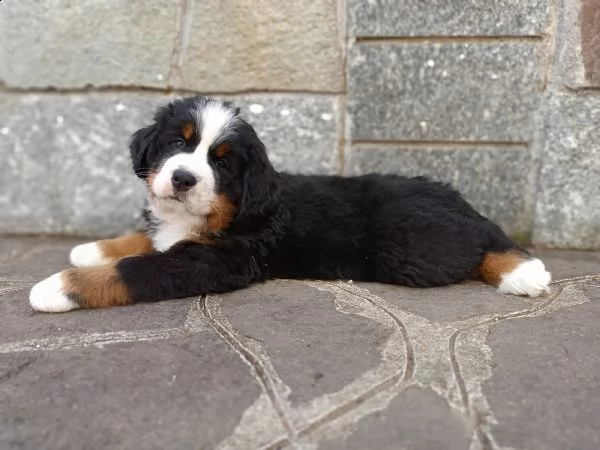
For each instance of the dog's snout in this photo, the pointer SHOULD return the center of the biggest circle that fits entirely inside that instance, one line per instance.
(183, 180)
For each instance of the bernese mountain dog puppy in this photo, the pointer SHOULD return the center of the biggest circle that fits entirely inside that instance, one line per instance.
(219, 218)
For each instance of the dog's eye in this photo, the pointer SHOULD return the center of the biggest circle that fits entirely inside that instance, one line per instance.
(221, 163)
(177, 143)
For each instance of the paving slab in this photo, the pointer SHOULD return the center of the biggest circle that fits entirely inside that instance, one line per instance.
(408, 420)
(178, 393)
(330, 349)
(302, 364)
(547, 371)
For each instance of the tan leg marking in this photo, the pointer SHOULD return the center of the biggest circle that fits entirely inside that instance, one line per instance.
(95, 287)
(494, 265)
(132, 244)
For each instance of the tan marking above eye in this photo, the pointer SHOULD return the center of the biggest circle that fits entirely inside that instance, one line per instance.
(187, 131)
(222, 150)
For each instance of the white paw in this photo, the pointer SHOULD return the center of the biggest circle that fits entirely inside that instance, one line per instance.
(48, 296)
(528, 278)
(88, 255)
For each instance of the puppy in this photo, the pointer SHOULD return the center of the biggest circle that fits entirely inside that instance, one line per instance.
(219, 218)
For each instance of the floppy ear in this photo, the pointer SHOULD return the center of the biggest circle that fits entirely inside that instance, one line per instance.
(260, 182)
(143, 144)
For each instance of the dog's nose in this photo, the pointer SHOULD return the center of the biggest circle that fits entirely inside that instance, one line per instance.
(183, 180)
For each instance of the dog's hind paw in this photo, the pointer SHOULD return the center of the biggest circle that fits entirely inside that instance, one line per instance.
(529, 278)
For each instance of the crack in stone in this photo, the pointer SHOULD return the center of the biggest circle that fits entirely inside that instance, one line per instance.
(488, 321)
(266, 375)
(181, 43)
(15, 281)
(568, 294)
(328, 408)
(90, 339)
(259, 424)
(193, 324)
(10, 290)
(393, 381)
(17, 370)
(34, 251)
(410, 354)
(336, 406)
(195, 320)
(13, 285)
(456, 367)
(581, 278)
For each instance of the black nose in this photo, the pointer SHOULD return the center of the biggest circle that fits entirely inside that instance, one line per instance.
(182, 180)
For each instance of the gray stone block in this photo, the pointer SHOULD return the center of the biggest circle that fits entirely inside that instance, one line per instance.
(76, 44)
(495, 180)
(263, 44)
(67, 162)
(448, 18)
(568, 200)
(301, 132)
(578, 44)
(459, 91)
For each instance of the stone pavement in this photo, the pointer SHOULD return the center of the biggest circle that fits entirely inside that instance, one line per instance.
(306, 365)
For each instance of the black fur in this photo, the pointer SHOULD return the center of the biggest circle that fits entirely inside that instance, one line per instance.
(385, 228)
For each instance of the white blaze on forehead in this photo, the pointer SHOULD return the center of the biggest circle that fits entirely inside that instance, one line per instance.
(215, 119)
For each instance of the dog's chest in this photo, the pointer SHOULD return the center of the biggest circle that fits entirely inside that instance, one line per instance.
(168, 234)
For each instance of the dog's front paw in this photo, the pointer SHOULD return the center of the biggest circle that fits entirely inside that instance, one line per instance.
(49, 295)
(88, 255)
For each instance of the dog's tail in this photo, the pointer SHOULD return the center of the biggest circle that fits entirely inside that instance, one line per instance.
(513, 270)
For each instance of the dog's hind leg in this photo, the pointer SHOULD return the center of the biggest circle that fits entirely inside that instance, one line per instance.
(515, 272)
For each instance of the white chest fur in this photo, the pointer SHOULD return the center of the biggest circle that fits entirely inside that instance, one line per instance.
(175, 225)
(169, 234)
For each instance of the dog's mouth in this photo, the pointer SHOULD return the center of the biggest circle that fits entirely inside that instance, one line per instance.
(166, 198)
(176, 198)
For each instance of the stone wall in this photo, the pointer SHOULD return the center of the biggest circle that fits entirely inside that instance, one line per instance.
(501, 98)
